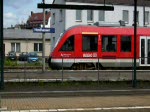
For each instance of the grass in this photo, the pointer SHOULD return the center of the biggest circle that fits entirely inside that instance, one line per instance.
(10, 63)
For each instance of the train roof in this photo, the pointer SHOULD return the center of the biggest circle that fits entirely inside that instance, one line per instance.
(88, 29)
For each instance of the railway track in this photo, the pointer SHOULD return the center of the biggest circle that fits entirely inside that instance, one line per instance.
(75, 75)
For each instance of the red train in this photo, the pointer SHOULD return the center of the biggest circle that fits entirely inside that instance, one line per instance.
(82, 47)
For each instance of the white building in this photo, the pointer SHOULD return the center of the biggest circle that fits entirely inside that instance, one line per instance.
(24, 40)
(62, 19)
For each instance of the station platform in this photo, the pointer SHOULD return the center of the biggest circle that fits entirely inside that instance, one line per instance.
(85, 100)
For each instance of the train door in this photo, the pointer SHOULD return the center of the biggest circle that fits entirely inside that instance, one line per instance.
(144, 51)
(90, 45)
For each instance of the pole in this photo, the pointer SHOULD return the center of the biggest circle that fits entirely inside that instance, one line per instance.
(43, 39)
(62, 70)
(98, 71)
(104, 2)
(1, 47)
(135, 35)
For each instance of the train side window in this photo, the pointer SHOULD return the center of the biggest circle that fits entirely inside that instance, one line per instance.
(69, 44)
(109, 43)
(90, 43)
(126, 43)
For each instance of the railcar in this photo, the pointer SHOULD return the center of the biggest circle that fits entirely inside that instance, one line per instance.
(83, 47)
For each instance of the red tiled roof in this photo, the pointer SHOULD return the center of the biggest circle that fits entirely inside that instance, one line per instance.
(39, 17)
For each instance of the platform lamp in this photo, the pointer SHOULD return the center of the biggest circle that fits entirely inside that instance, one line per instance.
(135, 35)
(1, 47)
(43, 41)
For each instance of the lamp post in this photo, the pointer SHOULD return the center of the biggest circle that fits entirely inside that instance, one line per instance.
(43, 41)
(1, 47)
(135, 35)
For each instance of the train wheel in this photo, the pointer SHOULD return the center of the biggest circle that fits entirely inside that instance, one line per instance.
(83, 66)
(100, 67)
(74, 66)
(79, 66)
(90, 66)
(86, 66)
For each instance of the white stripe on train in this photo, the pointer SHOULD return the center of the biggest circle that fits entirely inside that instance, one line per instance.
(74, 60)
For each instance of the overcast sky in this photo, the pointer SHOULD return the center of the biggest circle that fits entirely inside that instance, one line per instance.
(18, 11)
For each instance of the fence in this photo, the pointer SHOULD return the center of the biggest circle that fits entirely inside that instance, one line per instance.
(18, 70)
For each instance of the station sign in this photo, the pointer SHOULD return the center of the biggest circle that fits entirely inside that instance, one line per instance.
(44, 30)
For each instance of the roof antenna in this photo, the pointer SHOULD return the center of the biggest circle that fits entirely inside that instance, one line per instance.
(122, 23)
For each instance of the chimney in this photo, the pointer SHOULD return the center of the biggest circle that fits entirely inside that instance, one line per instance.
(31, 13)
(46, 12)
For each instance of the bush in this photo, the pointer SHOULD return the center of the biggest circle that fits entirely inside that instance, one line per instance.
(10, 63)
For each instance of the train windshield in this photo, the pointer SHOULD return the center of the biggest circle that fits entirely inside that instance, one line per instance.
(69, 44)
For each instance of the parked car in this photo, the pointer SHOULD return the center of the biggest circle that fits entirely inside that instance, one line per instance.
(12, 55)
(33, 57)
(23, 56)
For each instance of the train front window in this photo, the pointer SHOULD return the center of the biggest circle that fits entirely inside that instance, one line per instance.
(109, 43)
(69, 44)
(126, 44)
(90, 43)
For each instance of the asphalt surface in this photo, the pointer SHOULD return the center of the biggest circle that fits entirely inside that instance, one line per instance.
(37, 98)
(117, 103)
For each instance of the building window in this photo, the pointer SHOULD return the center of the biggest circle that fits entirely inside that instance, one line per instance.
(125, 16)
(101, 15)
(38, 47)
(109, 43)
(78, 15)
(69, 44)
(60, 16)
(89, 15)
(126, 43)
(53, 19)
(15, 47)
(90, 43)
(146, 17)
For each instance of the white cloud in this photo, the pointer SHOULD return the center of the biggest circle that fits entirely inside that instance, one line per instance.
(16, 11)
(9, 19)
(9, 16)
(17, 4)
(48, 1)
